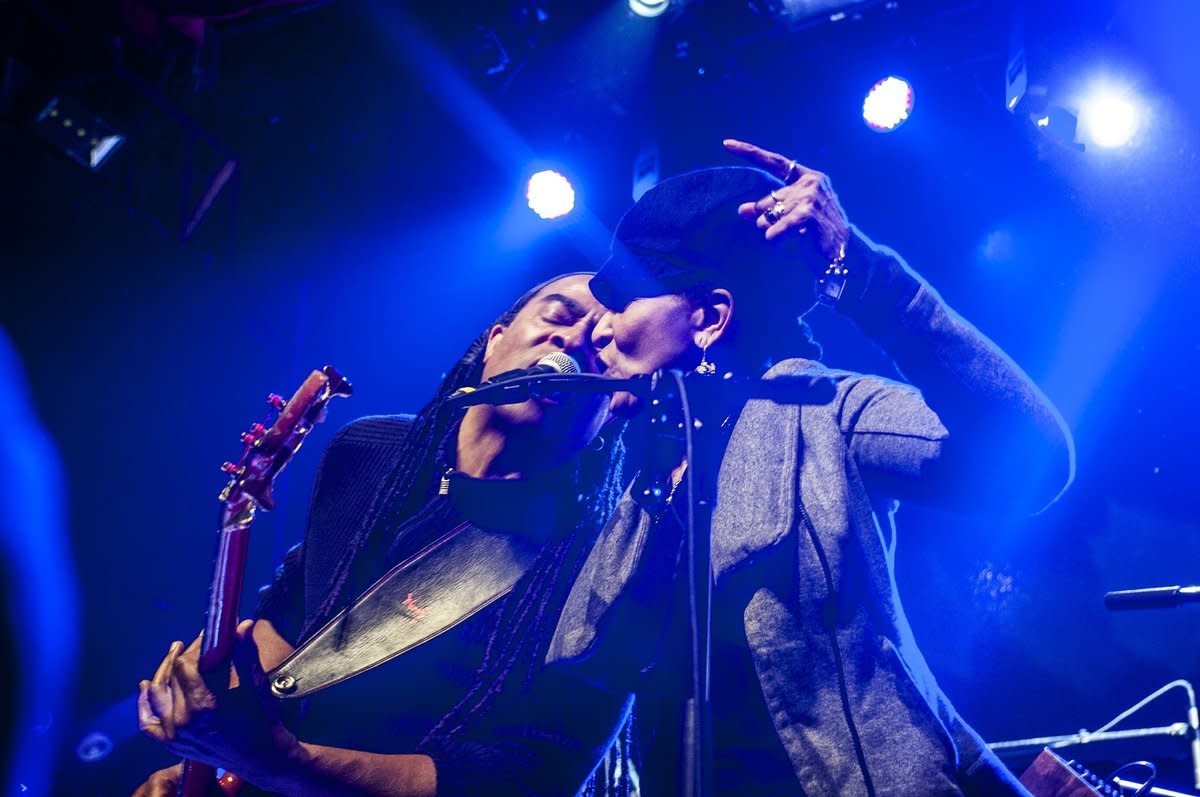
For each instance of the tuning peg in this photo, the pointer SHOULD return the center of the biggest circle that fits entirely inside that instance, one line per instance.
(276, 401)
(230, 468)
(254, 435)
(338, 384)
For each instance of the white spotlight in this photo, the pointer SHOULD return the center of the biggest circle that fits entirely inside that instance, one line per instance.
(550, 194)
(1108, 118)
(888, 104)
(648, 8)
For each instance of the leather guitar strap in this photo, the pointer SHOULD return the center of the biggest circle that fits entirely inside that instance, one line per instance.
(432, 591)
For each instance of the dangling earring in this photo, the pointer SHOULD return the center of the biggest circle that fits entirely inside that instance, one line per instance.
(705, 368)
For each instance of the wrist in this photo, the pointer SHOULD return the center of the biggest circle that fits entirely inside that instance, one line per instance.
(831, 285)
(283, 771)
(878, 285)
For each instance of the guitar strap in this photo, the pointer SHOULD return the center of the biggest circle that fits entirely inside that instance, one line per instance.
(436, 589)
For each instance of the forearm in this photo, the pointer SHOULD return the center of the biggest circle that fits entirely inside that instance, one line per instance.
(540, 742)
(322, 771)
(998, 420)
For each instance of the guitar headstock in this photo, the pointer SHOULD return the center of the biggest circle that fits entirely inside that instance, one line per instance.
(271, 443)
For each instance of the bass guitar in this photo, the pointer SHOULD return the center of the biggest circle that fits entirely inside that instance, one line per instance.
(269, 446)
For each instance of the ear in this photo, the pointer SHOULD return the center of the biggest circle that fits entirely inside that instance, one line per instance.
(494, 336)
(711, 317)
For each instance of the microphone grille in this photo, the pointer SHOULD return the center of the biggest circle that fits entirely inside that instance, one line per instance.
(560, 362)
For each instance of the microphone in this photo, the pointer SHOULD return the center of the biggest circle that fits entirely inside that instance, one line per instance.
(1151, 597)
(512, 387)
(554, 363)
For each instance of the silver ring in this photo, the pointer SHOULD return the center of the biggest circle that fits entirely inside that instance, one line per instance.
(775, 212)
(775, 196)
(793, 172)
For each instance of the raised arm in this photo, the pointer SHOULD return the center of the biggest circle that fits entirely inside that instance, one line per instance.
(972, 430)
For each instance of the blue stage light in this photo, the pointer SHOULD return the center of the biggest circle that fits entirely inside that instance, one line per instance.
(550, 194)
(888, 104)
(1109, 117)
(648, 8)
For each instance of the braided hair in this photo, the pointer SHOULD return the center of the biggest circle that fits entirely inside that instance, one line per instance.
(408, 499)
(409, 502)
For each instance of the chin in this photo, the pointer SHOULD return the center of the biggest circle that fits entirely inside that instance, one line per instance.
(624, 405)
(569, 426)
(529, 413)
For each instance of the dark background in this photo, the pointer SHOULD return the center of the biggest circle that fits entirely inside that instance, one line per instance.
(376, 220)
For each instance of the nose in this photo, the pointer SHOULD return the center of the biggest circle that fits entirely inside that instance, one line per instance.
(602, 332)
(578, 341)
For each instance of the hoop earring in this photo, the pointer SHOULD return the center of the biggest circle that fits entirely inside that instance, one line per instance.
(705, 368)
(597, 444)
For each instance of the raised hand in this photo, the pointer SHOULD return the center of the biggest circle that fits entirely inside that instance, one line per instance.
(806, 205)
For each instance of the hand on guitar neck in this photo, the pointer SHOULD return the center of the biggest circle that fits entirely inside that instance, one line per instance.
(235, 730)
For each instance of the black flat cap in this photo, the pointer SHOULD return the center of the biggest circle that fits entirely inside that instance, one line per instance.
(685, 232)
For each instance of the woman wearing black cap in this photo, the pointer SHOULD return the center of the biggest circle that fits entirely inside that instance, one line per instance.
(818, 685)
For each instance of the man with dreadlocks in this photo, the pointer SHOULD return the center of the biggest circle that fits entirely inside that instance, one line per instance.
(473, 709)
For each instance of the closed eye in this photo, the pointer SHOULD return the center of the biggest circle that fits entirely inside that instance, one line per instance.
(562, 310)
(560, 317)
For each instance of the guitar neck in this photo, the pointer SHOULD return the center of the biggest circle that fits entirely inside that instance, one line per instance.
(224, 598)
(267, 451)
(220, 625)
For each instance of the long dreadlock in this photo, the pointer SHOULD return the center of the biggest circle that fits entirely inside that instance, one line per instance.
(517, 646)
(408, 503)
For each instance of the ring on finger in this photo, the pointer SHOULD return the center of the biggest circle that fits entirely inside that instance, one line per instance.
(775, 212)
(793, 172)
(776, 196)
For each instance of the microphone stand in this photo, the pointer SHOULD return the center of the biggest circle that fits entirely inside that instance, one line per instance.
(1190, 728)
(705, 401)
(1087, 737)
(699, 428)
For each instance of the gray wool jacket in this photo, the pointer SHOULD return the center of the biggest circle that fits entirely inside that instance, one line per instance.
(803, 540)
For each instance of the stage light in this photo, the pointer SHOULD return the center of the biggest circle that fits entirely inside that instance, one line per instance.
(1108, 118)
(648, 8)
(94, 747)
(888, 104)
(1059, 125)
(77, 132)
(550, 194)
